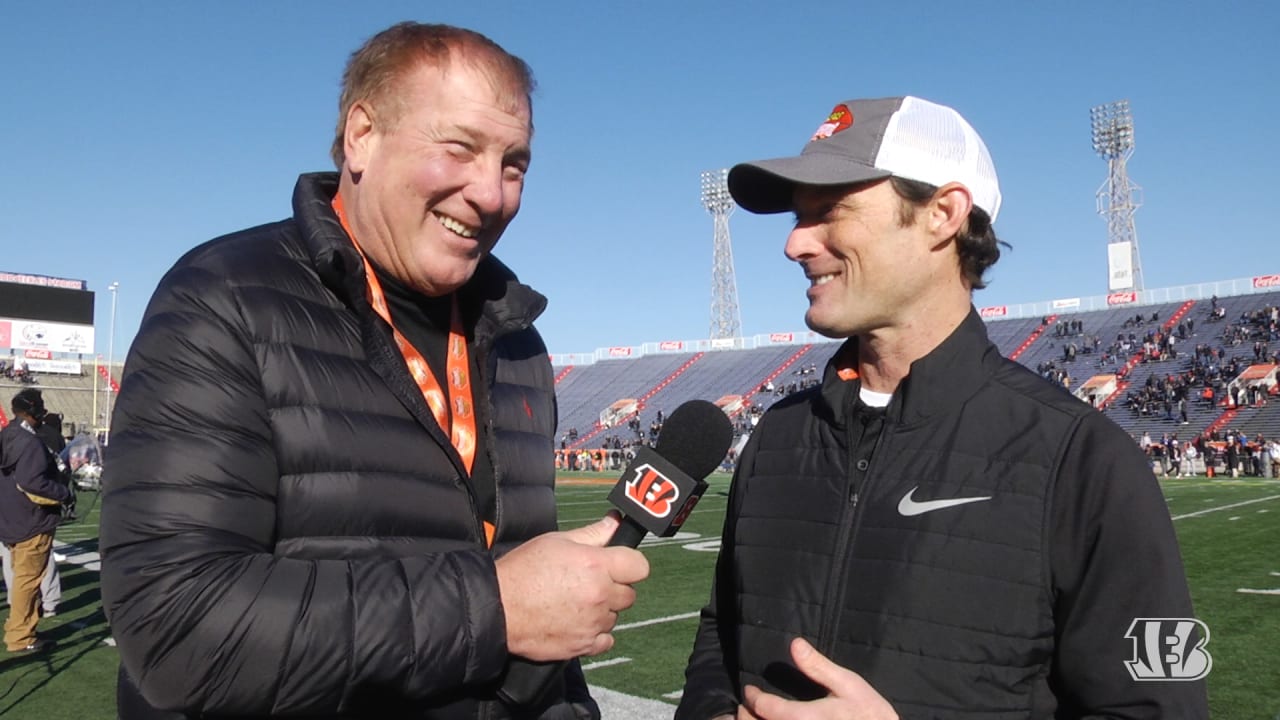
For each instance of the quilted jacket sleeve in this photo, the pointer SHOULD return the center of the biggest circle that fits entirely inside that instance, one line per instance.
(206, 618)
(1116, 562)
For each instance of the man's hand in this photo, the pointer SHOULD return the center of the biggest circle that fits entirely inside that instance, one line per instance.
(850, 698)
(562, 591)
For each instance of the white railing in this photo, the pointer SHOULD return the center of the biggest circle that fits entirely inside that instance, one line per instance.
(1199, 291)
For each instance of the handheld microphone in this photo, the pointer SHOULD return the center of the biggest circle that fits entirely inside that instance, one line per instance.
(657, 491)
(661, 486)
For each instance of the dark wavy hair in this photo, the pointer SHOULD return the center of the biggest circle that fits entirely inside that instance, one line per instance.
(976, 242)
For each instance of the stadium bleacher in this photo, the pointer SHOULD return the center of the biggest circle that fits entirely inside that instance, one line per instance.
(662, 381)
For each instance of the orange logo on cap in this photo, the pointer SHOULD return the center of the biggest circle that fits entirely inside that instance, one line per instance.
(839, 119)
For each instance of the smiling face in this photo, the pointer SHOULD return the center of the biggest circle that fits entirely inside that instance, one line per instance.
(867, 270)
(429, 190)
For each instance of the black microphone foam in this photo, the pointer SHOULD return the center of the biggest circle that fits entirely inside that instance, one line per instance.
(662, 485)
(695, 438)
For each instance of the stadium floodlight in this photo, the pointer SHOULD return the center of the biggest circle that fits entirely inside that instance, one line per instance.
(726, 321)
(1119, 197)
(111, 349)
(1112, 129)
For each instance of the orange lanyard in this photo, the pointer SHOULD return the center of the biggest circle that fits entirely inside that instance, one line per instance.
(461, 423)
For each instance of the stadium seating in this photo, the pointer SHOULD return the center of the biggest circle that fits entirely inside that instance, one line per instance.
(588, 389)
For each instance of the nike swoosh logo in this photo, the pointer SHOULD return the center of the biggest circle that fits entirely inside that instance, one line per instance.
(908, 507)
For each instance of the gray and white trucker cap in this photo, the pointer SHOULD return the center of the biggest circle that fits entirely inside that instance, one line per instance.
(864, 140)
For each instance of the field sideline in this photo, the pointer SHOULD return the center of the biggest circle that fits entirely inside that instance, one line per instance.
(1229, 531)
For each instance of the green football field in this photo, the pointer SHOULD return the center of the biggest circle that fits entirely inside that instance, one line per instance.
(1229, 531)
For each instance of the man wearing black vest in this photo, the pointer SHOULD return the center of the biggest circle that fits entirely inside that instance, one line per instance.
(935, 531)
(330, 489)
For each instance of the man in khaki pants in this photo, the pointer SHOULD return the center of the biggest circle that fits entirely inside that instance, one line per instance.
(30, 496)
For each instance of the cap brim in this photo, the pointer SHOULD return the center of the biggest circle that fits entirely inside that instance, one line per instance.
(766, 186)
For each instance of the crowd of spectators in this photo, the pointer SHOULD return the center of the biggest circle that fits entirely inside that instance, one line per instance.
(1232, 454)
(1206, 378)
(18, 371)
(805, 376)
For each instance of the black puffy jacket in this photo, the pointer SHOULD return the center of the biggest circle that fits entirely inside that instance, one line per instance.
(285, 528)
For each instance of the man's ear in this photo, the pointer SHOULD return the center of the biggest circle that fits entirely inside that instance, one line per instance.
(948, 211)
(359, 138)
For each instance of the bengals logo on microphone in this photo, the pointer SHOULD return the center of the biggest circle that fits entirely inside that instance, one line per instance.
(652, 490)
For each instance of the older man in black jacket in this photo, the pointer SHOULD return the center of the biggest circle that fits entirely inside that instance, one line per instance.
(30, 509)
(330, 491)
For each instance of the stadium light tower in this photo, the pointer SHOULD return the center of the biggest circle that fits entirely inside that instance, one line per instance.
(726, 321)
(111, 352)
(1119, 197)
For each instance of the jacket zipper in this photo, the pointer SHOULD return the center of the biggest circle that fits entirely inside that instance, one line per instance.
(850, 520)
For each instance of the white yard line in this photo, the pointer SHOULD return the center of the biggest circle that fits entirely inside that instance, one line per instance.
(614, 704)
(656, 621)
(1206, 511)
(90, 559)
(606, 663)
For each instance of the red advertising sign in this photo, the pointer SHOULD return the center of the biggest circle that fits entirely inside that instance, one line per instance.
(38, 354)
(1122, 298)
(994, 311)
(781, 337)
(1264, 281)
(619, 352)
(671, 345)
(115, 386)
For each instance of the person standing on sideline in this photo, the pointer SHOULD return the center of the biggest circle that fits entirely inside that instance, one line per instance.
(30, 510)
(50, 433)
(935, 531)
(330, 490)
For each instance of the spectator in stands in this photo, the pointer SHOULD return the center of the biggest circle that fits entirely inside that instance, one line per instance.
(31, 495)
(872, 477)
(1174, 453)
(331, 484)
(1274, 452)
(1261, 457)
(1233, 455)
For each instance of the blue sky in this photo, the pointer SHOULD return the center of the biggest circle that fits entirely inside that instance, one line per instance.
(135, 131)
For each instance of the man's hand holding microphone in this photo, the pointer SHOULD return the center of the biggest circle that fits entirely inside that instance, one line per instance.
(562, 591)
